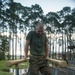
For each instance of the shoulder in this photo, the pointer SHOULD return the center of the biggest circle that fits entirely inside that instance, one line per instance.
(44, 34)
(30, 35)
(31, 32)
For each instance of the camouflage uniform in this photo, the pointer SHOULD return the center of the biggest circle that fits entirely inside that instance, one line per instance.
(38, 64)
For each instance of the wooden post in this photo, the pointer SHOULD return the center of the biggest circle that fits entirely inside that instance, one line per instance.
(16, 63)
(17, 69)
(56, 63)
(60, 63)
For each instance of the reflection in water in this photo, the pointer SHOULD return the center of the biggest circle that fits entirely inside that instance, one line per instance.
(21, 71)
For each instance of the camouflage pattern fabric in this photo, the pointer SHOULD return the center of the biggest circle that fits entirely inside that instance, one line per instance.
(38, 64)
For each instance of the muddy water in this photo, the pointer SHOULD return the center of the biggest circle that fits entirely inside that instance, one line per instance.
(21, 71)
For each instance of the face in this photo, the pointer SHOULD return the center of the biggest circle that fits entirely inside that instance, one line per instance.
(39, 31)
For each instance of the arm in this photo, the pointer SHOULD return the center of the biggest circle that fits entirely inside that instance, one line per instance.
(46, 49)
(26, 48)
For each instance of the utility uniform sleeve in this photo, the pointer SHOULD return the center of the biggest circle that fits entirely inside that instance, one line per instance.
(29, 36)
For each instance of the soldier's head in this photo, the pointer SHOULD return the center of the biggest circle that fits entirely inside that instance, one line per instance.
(39, 28)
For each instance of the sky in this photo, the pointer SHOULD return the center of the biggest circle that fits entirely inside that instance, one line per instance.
(49, 5)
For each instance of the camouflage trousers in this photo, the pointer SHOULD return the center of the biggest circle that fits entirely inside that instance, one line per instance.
(38, 64)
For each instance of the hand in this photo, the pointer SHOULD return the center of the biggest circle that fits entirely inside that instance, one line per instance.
(47, 57)
(25, 57)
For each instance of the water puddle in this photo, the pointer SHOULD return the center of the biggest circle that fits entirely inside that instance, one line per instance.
(21, 71)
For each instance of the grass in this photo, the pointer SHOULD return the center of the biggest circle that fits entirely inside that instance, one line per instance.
(4, 70)
(4, 73)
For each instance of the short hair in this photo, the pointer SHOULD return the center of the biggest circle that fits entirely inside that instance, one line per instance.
(39, 24)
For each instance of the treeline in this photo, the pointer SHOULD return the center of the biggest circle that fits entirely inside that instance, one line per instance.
(16, 18)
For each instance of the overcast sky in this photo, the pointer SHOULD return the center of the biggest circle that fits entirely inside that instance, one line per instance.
(48, 5)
